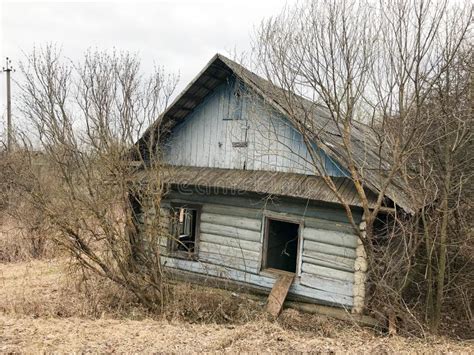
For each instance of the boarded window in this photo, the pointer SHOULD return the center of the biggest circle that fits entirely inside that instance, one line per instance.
(184, 230)
(281, 245)
(234, 102)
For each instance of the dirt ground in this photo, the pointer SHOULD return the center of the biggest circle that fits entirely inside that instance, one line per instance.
(39, 314)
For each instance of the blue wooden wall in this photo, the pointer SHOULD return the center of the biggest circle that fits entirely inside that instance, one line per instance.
(207, 137)
(231, 243)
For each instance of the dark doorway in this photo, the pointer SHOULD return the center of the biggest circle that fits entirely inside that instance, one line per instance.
(281, 245)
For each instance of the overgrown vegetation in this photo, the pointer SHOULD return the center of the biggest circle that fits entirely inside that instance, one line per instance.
(404, 68)
(399, 75)
(54, 288)
(83, 120)
(41, 309)
(25, 233)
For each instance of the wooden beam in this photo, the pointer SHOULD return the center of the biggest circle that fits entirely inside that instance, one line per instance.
(208, 88)
(392, 323)
(182, 108)
(214, 77)
(194, 97)
(278, 294)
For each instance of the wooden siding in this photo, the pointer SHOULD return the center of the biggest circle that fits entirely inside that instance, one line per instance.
(231, 234)
(207, 137)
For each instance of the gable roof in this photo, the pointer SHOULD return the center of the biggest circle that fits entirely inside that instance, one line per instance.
(369, 156)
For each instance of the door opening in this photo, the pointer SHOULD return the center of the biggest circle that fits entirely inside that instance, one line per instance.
(281, 251)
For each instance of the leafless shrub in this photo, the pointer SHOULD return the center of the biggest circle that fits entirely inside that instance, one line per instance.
(24, 233)
(84, 118)
(445, 168)
(20, 242)
(376, 68)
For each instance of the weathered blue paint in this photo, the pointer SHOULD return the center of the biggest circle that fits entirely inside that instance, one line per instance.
(231, 240)
(231, 129)
(265, 139)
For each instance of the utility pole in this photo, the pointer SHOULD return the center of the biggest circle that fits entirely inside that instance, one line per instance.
(8, 69)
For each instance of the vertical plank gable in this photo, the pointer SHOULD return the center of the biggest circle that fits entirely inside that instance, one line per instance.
(205, 137)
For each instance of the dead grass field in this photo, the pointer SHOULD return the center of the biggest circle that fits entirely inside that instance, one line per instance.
(41, 312)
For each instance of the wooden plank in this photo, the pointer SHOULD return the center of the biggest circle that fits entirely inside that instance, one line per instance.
(316, 223)
(392, 323)
(290, 206)
(333, 261)
(253, 212)
(229, 251)
(278, 294)
(232, 210)
(163, 241)
(328, 249)
(327, 272)
(337, 313)
(330, 237)
(231, 242)
(231, 232)
(330, 285)
(229, 261)
(231, 221)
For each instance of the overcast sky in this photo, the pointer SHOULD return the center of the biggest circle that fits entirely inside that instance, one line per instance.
(180, 35)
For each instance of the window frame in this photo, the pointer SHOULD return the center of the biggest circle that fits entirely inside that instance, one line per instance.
(172, 242)
(267, 217)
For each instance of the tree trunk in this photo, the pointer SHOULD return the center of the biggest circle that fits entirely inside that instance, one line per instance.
(429, 316)
(442, 244)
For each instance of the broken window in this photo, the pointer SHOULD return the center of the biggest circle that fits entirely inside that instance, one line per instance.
(281, 245)
(184, 230)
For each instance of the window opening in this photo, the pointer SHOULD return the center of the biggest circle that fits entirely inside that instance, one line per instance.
(184, 230)
(281, 245)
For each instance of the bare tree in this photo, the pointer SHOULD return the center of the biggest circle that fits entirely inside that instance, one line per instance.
(349, 72)
(446, 172)
(84, 119)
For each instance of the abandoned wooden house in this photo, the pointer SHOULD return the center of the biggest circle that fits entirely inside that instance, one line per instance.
(244, 200)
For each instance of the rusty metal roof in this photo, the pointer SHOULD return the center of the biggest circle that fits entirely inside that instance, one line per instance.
(263, 182)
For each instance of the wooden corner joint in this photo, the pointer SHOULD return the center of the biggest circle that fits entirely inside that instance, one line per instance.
(360, 269)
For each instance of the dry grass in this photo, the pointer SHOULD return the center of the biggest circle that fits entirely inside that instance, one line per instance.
(107, 336)
(45, 289)
(26, 240)
(12, 246)
(40, 311)
(199, 304)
